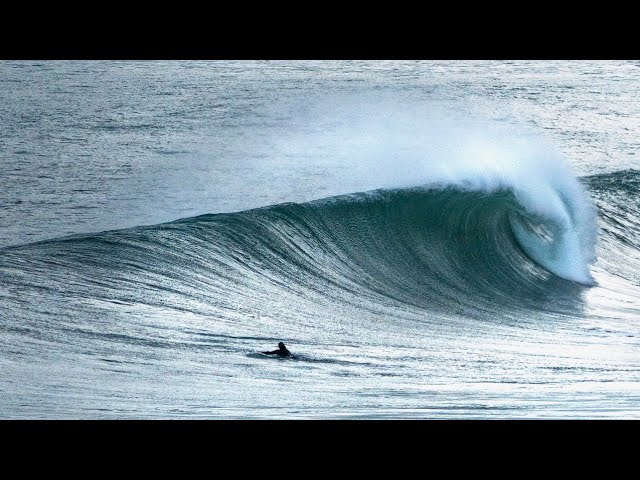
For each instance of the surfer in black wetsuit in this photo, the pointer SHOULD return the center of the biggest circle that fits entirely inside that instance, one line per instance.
(281, 352)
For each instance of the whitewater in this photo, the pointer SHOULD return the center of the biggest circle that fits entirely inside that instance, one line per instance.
(430, 239)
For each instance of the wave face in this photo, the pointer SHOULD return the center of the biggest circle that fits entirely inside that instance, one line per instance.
(462, 248)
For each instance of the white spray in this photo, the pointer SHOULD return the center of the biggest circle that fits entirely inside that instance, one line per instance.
(381, 144)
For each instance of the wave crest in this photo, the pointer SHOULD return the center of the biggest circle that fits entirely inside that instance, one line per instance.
(465, 243)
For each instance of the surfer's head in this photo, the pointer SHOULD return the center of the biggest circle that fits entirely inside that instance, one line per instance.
(281, 346)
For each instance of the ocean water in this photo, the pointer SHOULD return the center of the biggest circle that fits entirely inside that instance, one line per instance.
(429, 239)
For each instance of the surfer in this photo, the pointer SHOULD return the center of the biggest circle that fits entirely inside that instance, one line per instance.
(281, 352)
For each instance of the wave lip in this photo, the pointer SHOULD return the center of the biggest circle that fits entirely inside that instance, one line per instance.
(553, 220)
(561, 236)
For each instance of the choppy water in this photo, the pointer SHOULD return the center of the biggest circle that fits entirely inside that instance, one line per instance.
(430, 239)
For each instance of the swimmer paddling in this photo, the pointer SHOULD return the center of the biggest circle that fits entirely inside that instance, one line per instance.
(281, 352)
